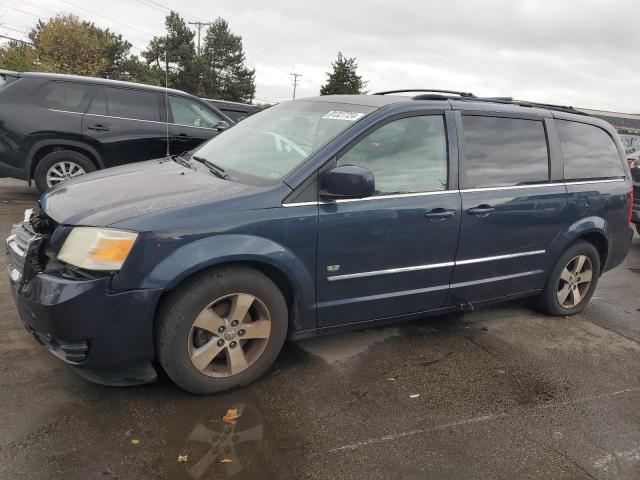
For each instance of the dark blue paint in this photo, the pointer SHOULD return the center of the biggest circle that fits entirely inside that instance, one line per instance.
(190, 220)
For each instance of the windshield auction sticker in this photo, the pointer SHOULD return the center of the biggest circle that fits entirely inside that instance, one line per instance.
(348, 116)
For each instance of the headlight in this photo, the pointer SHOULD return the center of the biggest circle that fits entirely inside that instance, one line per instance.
(97, 248)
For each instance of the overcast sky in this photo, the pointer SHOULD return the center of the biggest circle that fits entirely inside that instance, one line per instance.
(582, 53)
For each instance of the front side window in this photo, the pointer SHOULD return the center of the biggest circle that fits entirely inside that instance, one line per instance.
(134, 104)
(503, 152)
(192, 114)
(588, 151)
(408, 155)
(265, 147)
(67, 96)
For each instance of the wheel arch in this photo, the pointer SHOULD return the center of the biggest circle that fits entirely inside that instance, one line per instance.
(44, 147)
(281, 266)
(592, 230)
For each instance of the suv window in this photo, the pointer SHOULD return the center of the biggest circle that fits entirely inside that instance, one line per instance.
(504, 152)
(68, 96)
(589, 152)
(406, 156)
(192, 114)
(135, 104)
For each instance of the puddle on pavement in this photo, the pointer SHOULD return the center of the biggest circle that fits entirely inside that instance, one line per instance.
(336, 349)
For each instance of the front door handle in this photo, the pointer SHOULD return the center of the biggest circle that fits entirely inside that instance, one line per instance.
(98, 128)
(183, 137)
(481, 210)
(439, 214)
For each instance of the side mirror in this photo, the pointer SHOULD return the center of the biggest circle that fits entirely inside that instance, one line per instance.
(221, 125)
(347, 181)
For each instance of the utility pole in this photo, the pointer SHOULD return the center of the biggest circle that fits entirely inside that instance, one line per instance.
(199, 26)
(295, 82)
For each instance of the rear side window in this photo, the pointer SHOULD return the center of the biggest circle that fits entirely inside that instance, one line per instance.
(503, 152)
(3, 80)
(589, 152)
(406, 156)
(67, 96)
(134, 104)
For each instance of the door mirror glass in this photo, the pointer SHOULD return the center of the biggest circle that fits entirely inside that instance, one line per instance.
(347, 181)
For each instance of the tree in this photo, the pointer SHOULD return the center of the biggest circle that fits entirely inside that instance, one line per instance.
(175, 53)
(344, 78)
(64, 44)
(17, 56)
(224, 74)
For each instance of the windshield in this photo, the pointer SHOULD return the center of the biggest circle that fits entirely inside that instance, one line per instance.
(265, 147)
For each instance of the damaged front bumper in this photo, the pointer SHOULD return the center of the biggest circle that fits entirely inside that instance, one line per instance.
(107, 336)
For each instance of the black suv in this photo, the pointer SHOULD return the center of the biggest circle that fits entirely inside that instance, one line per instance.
(236, 110)
(53, 127)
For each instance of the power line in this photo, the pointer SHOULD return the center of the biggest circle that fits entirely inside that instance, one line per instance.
(20, 10)
(107, 18)
(295, 82)
(15, 39)
(38, 6)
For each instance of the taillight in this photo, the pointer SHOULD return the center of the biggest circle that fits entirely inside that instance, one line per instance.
(630, 206)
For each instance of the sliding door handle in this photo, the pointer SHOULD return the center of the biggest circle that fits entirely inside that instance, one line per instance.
(481, 210)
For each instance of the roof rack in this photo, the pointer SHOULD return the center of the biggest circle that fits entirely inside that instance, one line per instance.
(430, 90)
(524, 103)
(438, 94)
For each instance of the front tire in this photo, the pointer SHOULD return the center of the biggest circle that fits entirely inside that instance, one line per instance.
(572, 281)
(221, 329)
(59, 166)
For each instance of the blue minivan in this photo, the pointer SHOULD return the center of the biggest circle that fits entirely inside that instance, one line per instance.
(315, 216)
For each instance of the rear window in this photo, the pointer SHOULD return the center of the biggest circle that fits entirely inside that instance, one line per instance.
(589, 152)
(134, 104)
(67, 96)
(504, 152)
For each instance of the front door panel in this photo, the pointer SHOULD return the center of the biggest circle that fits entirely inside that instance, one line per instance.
(361, 244)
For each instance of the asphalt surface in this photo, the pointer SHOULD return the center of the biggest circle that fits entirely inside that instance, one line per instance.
(503, 392)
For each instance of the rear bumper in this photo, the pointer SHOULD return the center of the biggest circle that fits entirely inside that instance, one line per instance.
(107, 335)
(635, 213)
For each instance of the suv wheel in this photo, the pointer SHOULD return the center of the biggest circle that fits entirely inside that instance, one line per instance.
(222, 329)
(572, 281)
(59, 166)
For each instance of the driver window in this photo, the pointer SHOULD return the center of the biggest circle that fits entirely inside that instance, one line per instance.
(408, 155)
(192, 114)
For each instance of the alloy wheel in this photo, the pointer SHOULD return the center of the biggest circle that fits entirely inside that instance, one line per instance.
(229, 335)
(58, 172)
(575, 280)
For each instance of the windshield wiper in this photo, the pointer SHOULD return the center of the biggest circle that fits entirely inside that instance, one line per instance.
(217, 170)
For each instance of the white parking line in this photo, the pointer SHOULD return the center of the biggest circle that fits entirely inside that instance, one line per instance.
(479, 419)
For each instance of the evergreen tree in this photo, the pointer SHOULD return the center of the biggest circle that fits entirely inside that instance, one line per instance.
(174, 52)
(344, 79)
(224, 74)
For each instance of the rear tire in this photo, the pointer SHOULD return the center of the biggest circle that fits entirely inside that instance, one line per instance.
(221, 329)
(572, 281)
(57, 166)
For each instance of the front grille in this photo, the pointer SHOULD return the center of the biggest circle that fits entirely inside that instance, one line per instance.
(26, 245)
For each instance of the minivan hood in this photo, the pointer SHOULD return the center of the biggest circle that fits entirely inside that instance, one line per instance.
(115, 194)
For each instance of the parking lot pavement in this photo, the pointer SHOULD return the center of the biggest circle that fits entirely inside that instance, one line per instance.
(503, 392)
